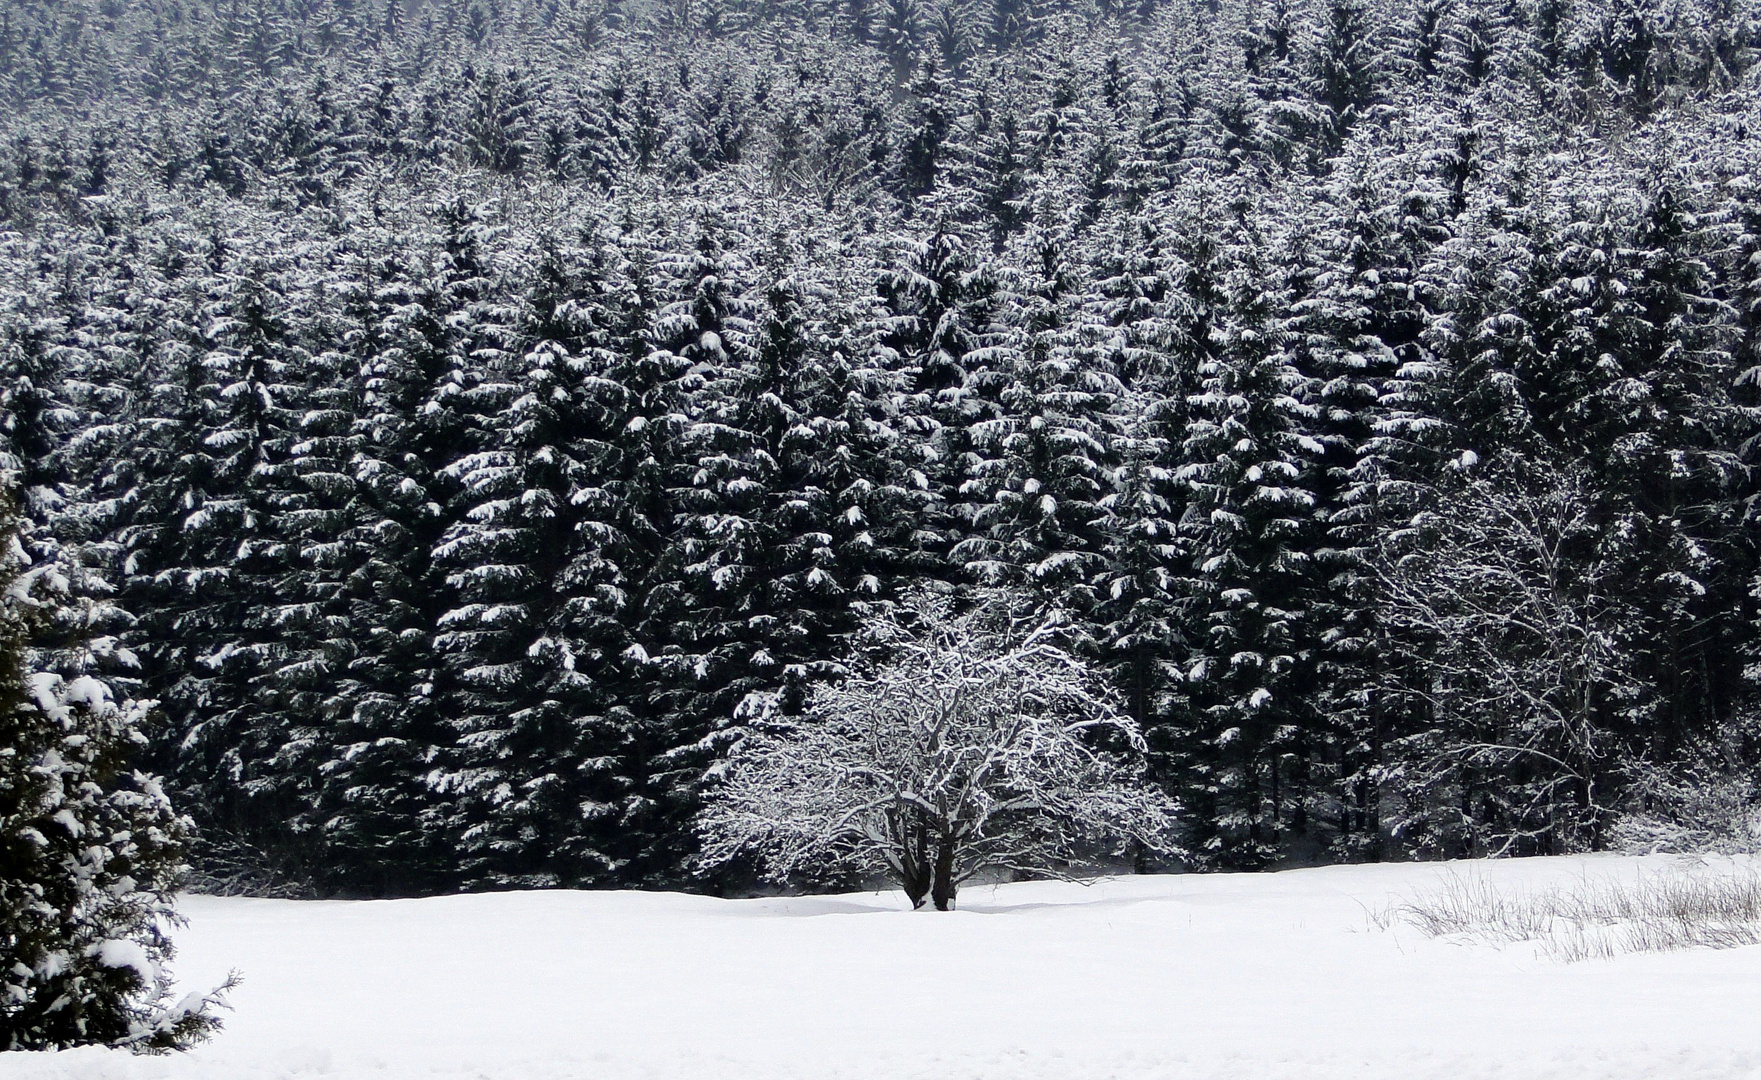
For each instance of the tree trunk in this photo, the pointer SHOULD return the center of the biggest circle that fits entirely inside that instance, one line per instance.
(916, 883)
(943, 891)
(914, 873)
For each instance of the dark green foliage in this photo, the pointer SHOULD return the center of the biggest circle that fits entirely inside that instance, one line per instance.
(90, 848)
(480, 412)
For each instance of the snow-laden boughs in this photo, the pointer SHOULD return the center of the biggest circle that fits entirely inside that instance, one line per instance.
(473, 410)
(526, 709)
(970, 740)
(1039, 465)
(1248, 470)
(401, 296)
(90, 849)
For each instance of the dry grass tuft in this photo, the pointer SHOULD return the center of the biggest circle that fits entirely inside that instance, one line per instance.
(1660, 911)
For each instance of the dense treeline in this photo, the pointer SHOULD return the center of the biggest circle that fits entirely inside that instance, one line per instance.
(474, 405)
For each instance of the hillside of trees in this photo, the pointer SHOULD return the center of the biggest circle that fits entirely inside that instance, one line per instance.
(468, 410)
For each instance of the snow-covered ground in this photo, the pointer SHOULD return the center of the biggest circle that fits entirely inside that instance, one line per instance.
(1269, 977)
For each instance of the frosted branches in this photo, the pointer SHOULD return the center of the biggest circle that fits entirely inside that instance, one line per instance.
(971, 741)
(1520, 660)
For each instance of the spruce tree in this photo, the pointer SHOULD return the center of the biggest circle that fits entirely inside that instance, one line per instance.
(90, 847)
(1041, 467)
(1248, 469)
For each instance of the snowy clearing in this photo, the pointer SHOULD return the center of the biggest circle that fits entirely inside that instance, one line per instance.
(1271, 976)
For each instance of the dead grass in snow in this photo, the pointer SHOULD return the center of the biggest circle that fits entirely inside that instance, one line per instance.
(1687, 907)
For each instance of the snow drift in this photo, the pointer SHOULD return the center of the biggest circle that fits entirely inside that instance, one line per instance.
(1269, 976)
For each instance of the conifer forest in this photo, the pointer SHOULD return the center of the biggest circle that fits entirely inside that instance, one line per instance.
(465, 418)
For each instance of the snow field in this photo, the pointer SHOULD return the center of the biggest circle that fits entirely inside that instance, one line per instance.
(1218, 977)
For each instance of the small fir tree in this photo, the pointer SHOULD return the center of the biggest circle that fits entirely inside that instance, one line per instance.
(90, 850)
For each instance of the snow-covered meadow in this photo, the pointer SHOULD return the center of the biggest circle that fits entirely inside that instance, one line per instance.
(1268, 976)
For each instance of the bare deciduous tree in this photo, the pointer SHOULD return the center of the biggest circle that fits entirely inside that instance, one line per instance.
(969, 741)
(1515, 675)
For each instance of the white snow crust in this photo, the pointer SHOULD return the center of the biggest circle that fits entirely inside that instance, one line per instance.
(1219, 977)
(120, 953)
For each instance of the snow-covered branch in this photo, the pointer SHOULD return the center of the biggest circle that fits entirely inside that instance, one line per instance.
(973, 740)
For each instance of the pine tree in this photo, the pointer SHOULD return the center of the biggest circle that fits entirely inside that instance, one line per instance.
(637, 594)
(1040, 468)
(495, 130)
(1155, 325)
(936, 311)
(384, 828)
(1345, 73)
(928, 149)
(997, 172)
(775, 537)
(33, 359)
(204, 569)
(1361, 325)
(1248, 470)
(1658, 426)
(520, 690)
(92, 848)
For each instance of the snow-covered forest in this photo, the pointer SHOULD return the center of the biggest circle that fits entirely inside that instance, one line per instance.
(469, 417)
